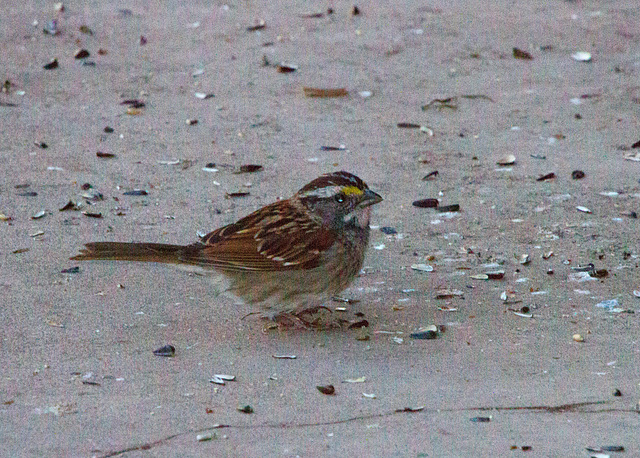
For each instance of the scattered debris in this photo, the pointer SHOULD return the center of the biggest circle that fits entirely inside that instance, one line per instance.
(430, 176)
(450, 103)
(425, 203)
(581, 56)
(71, 270)
(166, 350)
(53, 63)
(206, 437)
(234, 195)
(248, 168)
(408, 125)
(548, 176)
(259, 25)
(426, 333)
(245, 409)
(81, 54)
(203, 95)
(521, 54)
(284, 356)
(286, 68)
(509, 159)
(355, 380)
(220, 379)
(316, 92)
(577, 174)
(333, 148)
(448, 208)
(610, 305)
(422, 267)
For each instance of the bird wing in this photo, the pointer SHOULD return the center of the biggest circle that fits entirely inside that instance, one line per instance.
(277, 237)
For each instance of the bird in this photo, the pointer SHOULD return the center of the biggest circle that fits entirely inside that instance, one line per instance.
(288, 257)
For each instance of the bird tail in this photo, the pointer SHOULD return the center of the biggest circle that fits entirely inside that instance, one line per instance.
(141, 252)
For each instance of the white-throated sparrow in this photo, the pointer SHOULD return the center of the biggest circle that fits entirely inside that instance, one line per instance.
(288, 257)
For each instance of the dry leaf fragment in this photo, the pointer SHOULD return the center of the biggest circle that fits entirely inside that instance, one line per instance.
(425, 203)
(355, 380)
(448, 208)
(422, 267)
(331, 92)
(249, 168)
(495, 275)
(133, 103)
(259, 25)
(440, 104)
(548, 176)
(411, 409)
(233, 195)
(430, 176)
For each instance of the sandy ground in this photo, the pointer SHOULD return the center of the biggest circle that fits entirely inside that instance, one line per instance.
(79, 377)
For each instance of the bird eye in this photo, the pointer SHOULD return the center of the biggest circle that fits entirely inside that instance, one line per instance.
(339, 197)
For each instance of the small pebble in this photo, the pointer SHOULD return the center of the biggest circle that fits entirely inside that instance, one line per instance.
(581, 56)
(428, 333)
(578, 338)
(326, 389)
(205, 437)
(53, 63)
(81, 54)
(509, 159)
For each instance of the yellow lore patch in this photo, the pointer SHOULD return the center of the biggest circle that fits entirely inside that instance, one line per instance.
(351, 190)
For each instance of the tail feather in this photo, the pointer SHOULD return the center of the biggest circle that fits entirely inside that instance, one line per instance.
(142, 252)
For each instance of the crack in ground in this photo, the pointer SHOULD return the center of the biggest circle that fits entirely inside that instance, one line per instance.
(581, 407)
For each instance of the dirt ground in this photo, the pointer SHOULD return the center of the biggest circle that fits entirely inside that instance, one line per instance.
(507, 375)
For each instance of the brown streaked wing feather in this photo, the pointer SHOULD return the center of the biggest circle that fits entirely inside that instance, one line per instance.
(270, 239)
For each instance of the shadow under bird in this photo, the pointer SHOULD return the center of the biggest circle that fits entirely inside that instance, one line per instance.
(288, 257)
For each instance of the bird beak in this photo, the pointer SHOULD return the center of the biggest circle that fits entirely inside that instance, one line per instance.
(370, 198)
